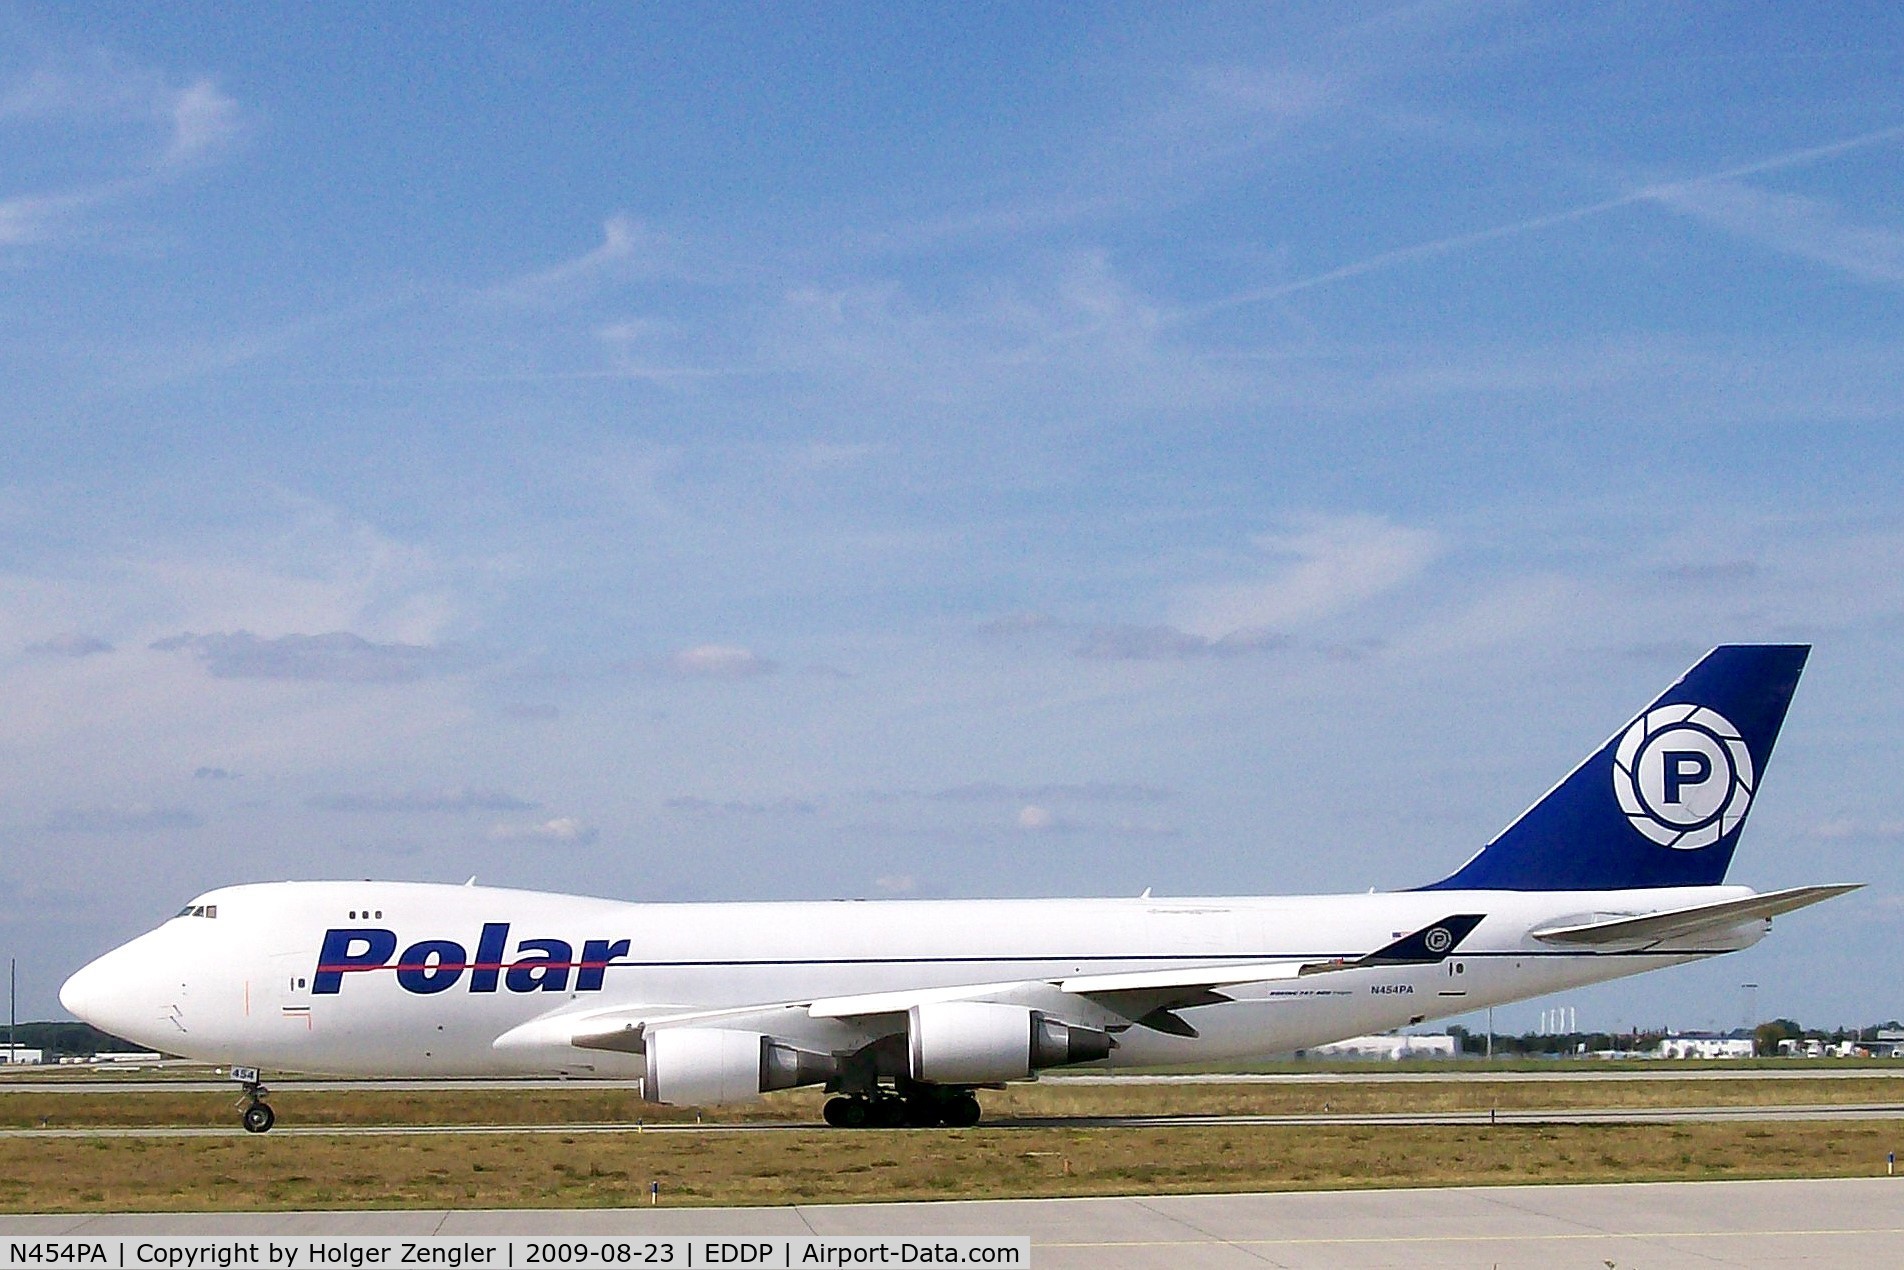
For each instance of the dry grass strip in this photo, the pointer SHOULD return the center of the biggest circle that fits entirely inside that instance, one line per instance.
(590, 1170)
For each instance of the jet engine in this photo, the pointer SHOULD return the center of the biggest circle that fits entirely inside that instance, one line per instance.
(704, 1067)
(980, 1042)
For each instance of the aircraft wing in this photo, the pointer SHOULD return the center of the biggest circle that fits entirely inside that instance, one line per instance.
(1680, 923)
(1145, 997)
(1149, 997)
(1423, 947)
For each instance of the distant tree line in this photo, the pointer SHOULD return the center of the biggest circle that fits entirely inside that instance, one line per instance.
(56, 1040)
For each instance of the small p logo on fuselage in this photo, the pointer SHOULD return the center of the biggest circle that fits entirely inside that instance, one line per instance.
(1683, 776)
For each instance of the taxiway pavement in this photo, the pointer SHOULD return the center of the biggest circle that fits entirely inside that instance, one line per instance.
(1661, 1225)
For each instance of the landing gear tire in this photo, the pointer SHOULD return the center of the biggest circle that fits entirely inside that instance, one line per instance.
(960, 1112)
(846, 1113)
(259, 1118)
(957, 1110)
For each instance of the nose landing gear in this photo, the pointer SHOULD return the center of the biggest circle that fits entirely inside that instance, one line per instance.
(257, 1116)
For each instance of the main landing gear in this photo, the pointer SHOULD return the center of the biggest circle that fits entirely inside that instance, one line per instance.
(919, 1109)
(257, 1116)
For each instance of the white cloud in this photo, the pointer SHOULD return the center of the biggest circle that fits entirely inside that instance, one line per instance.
(1070, 338)
(1511, 611)
(1196, 127)
(28, 219)
(204, 121)
(629, 248)
(128, 129)
(1167, 643)
(305, 568)
(1328, 564)
(1128, 642)
(1036, 819)
(333, 657)
(561, 829)
(719, 661)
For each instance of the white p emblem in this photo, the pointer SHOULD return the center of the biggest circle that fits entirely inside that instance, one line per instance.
(1683, 776)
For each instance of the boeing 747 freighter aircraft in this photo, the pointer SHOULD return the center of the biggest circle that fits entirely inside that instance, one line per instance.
(903, 1009)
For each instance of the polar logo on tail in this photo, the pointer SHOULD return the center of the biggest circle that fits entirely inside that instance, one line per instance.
(1683, 776)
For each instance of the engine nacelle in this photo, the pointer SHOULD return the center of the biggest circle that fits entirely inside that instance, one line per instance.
(706, 1067)
(979, 1042)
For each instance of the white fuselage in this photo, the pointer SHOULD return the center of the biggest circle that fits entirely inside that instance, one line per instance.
(249, 986)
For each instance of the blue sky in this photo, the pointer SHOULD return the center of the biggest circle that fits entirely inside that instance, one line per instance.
(729, 452)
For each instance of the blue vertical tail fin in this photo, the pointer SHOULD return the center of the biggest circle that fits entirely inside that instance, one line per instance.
(1661, 803)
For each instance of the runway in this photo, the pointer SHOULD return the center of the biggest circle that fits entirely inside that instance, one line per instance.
(1661, 1226)
(1622, 1115)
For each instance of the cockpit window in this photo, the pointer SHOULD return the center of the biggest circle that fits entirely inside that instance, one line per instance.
(199, 910)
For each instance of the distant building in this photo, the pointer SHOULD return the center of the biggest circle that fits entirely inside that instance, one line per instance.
(1388, 1047)
(21, 1054)
(127, 1056)
(1704, 1045)
(1813, 1047)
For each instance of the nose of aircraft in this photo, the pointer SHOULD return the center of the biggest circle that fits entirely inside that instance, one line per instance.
(112, 993)
(81, 993)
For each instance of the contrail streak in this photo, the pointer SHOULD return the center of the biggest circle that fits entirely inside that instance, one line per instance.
(1443, 246)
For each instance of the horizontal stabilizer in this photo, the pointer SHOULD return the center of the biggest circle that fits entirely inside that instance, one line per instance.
(1680, 923)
